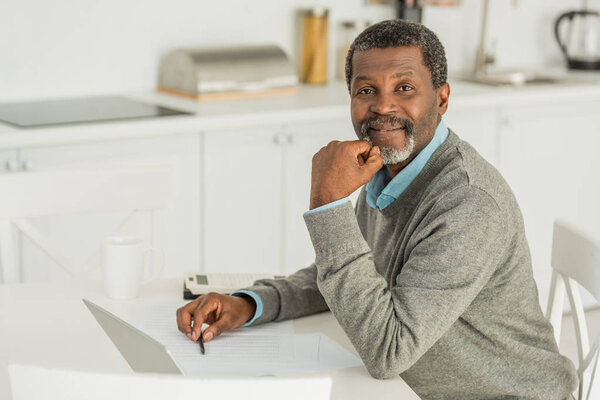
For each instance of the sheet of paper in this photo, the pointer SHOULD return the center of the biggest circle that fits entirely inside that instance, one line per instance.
(269, 349)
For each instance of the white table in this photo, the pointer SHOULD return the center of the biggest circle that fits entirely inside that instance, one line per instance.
(47, 324)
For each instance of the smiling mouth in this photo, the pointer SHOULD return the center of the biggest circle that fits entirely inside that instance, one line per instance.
(387, 130)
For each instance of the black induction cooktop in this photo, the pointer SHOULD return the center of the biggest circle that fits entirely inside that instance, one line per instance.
(35, 114)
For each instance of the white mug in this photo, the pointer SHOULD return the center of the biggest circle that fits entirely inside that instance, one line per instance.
(124, 260)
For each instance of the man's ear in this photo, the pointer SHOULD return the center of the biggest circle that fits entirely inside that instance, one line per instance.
(443, 93)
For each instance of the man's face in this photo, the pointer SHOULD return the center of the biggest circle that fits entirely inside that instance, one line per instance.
(393, 102)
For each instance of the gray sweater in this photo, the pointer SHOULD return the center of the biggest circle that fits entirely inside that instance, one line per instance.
(436, 287)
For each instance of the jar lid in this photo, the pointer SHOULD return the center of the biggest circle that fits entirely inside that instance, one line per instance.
(317, 11)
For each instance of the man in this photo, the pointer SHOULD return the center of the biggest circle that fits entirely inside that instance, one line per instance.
(430, 276)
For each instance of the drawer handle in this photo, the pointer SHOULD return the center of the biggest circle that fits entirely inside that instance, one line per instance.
(26, 166)
(12, 166)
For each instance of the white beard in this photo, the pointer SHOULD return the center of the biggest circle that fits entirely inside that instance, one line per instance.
(391, 156)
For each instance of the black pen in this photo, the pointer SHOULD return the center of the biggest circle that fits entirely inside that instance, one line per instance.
(201, 342)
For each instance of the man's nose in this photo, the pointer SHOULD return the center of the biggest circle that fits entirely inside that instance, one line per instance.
(384, 103)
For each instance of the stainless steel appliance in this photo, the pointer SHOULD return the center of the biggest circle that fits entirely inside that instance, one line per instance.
(578, 35)
(227, 72)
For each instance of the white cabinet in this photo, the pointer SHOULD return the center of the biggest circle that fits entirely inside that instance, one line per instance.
(78, 236)
(479, 127)
(242, 208)
(549, 156)
(256, 188)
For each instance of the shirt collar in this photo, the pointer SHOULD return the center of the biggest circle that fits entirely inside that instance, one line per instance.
(383, 191)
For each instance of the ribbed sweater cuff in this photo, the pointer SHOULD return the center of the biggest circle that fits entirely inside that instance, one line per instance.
(335, 233)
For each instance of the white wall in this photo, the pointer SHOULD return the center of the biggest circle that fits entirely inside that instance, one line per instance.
(77, 47)
(81, 47)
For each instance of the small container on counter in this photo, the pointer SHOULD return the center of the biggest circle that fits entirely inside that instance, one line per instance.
(313, 68)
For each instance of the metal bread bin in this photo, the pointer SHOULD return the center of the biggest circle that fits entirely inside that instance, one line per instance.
(226, 73)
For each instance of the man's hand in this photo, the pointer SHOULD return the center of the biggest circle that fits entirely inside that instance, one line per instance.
(221, 312)
(340, 168)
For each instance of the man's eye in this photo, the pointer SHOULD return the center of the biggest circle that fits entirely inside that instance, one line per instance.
(405, 88)
(365, 91)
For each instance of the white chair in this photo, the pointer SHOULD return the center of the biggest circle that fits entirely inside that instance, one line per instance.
(49, 193)
(575, 260)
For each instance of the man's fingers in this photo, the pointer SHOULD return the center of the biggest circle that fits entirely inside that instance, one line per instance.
(360, 148)
(221, 325)
(201, 315)
(374, 161)
(369, 158)
(184, 316)
(356, 147)
(374, 156)
(374, 151)
(179, 320)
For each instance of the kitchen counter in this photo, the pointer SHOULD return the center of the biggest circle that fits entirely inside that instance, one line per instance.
(310, 103)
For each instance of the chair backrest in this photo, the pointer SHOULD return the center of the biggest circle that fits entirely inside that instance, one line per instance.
(575, 260)
(48, 193)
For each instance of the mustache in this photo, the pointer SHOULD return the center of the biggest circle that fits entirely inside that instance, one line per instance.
(391, 120)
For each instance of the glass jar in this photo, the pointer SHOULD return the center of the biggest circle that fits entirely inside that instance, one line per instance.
(313, 68)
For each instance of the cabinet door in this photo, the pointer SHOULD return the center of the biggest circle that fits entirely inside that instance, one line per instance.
(243, 200)
(479, 127)
(549, 156)
(78, 236)
(302, 142)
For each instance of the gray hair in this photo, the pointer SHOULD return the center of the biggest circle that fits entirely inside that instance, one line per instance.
(401, 33)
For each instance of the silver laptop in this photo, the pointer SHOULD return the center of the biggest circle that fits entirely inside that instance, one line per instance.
(142, 353)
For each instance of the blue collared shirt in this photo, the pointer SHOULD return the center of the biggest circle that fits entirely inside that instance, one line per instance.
(381, 192)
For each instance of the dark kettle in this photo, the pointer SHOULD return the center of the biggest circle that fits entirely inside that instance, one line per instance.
(582, 44)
